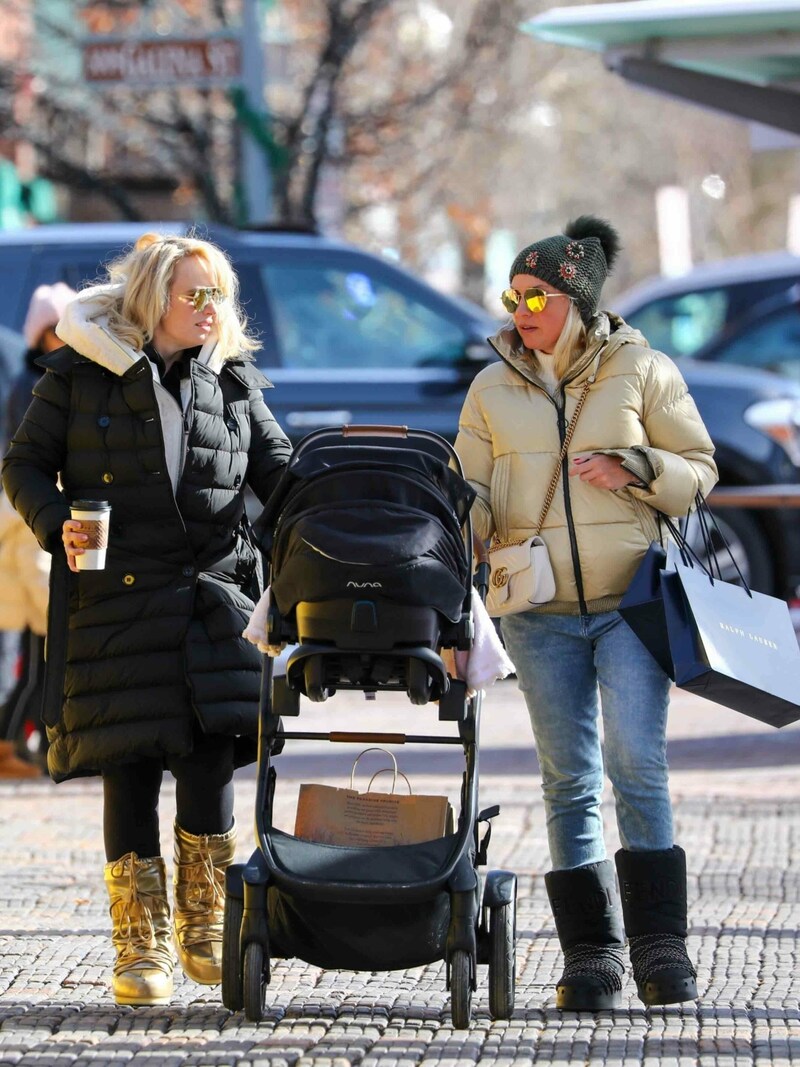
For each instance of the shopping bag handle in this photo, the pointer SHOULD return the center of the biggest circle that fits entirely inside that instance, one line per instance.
(704, 514)
(706, 520)
(386, 770)
(687, 553)
(386, 752)
(705, 532)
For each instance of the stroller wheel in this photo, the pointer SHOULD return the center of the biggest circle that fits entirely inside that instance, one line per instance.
(502, 923)
(417, 681)
(254, 982)
(232, 996)
(461, 988)
(313, 679)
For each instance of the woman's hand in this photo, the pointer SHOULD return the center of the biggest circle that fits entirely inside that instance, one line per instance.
(603, 472)
(73, 542)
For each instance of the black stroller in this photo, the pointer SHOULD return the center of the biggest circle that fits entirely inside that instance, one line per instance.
(370, 575)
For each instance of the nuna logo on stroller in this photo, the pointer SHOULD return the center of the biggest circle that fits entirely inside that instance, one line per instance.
(392, 503)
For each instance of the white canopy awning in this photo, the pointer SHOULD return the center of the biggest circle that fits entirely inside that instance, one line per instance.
(738, 56)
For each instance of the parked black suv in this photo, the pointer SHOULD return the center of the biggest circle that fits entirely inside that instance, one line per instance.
(766, 337)
(681, 315)
(350, 337)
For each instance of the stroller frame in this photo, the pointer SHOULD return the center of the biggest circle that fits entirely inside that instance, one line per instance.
(465, 927)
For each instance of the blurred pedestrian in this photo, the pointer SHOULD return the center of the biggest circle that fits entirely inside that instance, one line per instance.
(155, 407)
(24, 566)
(639, 449)
(24, 576)
(12, 350)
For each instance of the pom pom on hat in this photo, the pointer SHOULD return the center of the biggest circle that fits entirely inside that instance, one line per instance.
(576, 262)
(47, 305)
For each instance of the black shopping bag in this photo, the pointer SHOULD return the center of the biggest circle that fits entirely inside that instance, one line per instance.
(731, 645)
(642, 607)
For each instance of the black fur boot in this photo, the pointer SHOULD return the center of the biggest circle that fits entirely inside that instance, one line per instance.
(653, 889)
(586, 911)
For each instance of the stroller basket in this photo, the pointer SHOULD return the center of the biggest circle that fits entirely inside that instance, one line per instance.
(325, 871)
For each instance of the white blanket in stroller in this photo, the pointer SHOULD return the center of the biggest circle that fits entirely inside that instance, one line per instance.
(480, 667)
(256, 629)
(487, 660)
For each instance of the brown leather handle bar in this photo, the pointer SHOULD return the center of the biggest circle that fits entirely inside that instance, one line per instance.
(375, 431)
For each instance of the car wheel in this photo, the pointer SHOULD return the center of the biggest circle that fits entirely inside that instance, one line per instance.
(748, 545)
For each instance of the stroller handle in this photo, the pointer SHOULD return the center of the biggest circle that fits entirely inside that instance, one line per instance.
(376, 430)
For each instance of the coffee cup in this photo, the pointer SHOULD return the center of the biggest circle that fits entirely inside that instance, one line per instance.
(94, 517)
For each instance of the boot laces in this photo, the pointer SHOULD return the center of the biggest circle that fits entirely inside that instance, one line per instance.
(601, 963)
(135, 932)
(202, 897)
(651, 953)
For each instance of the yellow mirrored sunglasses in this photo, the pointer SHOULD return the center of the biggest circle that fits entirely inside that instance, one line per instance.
(206, 294)
(535, 299)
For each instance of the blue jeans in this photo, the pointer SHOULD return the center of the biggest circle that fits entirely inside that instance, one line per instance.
(561, 662)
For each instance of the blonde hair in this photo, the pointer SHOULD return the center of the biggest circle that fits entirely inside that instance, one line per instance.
(571, 343)
(139, 293)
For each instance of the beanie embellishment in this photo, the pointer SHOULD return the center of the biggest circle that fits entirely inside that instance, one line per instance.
(567, 271)
(531, 260)
(575, 250)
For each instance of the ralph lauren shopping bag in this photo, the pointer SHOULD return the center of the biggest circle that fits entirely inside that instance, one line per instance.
(731, 645)
(642, 607)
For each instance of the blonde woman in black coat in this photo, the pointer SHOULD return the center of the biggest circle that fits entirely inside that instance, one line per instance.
(155, 406)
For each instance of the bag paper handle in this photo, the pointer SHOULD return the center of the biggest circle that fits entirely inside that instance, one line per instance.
(386, 770)
(386, 752)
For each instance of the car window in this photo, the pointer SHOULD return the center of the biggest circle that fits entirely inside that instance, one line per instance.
(342, 315)
(683, 323)
(772, 344)
(680, 325)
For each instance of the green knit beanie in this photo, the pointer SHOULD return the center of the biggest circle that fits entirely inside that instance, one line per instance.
(576, 262)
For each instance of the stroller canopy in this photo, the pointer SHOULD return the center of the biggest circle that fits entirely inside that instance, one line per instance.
(357, 519)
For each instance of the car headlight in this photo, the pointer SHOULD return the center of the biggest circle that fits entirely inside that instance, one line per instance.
(780, 420)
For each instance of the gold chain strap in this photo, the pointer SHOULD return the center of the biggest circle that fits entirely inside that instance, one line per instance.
(551, 489)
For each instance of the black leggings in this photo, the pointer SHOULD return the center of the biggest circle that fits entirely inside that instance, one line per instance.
(203, 796)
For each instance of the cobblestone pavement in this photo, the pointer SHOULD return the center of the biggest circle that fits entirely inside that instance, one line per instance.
(737, 801)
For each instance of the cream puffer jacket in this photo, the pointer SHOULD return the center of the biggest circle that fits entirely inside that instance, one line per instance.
(637, 407)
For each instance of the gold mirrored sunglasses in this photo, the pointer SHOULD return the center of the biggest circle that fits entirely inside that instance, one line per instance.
(206, 294)
(535, 299)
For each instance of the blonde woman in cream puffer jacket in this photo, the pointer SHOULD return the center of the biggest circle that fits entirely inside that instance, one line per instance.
(639, 450)
(638, 408)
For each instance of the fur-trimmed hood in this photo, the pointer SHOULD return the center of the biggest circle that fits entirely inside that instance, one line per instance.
(84, 327)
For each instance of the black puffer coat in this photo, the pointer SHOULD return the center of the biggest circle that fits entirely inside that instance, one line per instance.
(139, 652)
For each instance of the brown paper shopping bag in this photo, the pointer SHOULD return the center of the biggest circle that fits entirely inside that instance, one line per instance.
(338, 816)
